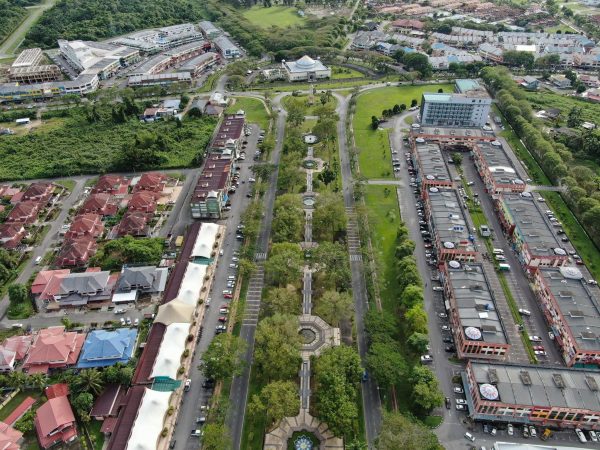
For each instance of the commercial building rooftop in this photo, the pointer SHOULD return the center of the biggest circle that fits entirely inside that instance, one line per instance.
(431, 161)
(538, 385)
(448, 219)
(214, 177)
(499, 163)
(578, 303)
(28, 57)
(534, 227)
(466, 85)
(475, 303)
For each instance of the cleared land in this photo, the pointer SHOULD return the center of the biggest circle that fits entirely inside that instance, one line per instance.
(339, 73)
(279, 16)
(373, 145)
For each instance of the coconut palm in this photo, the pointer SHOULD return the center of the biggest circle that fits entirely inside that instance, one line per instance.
(89, 380)
(38, 380)
(17, 380)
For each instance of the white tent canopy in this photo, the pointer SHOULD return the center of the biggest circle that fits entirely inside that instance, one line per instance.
(168, 360)
(205, 240)
(192, 282)
(175, 311)
(149, 421)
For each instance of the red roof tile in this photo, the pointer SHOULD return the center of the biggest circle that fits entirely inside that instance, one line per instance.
(120, 436)
(85, 224)
(103, 204)
(108, 402)
(134, 223)
(76, 252)
(151, 181)
(11, 234)
(54, 422)
(24, 212)
(18, 344)
(57, 390)
(43, 278)
(144, 201)
(111, 184)
(38, 191)
(9, 437)
(53, 347)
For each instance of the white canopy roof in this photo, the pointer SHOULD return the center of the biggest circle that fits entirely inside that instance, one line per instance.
(205, 240)
(149, 421)
(175, 311)
(192, 282)
(171, 348)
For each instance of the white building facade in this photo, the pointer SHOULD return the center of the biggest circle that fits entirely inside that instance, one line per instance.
(305, 69)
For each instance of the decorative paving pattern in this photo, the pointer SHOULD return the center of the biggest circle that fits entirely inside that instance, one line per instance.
(278, 438)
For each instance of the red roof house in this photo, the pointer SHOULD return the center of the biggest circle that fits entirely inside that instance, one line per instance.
(18, 344)
(108, 402)
(10, 439)
(152, 181)
(409, 24)
(38, 192)
(134, 223)
(57, 390)
(11, 234)
(144, 201)
(55, 422)
(85, 225)
(102, 204)
(24, 212)
(43, 278)
(53, 348)
(111, 184)
(76, 252)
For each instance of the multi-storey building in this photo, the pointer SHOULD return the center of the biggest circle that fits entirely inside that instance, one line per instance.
(496, 169)
(34, 74)
(570, 307)
(530, 231)
(476, 324)
(448, 225)
(227, 139)
(429, 163)
(210, 193)
(533, 395)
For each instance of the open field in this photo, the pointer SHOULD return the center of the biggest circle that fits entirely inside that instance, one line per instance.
(339, 73)
(255, 111)
(279, 16)
(374, 156)
(546, 99)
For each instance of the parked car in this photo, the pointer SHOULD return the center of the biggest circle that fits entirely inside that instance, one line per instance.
(535, 338)
(510, 429)
(460, 407)
(426, 359)
(445, 328)
(458, 390)
(197, 433)
(437, 288)
(461, 401)
(580, 435)
(469, 437)
(532, 431)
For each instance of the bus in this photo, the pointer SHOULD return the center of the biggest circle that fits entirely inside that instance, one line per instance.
(179, 241)
(503, 266)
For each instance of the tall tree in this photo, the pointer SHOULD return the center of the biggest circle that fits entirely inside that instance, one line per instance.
(284, 265)
(387, 364)
(89, 380)
(277, 350)
(426, 393)
(399, 432)
(329, 216)
(334, 307)
(277, 400)
(282, 300)
(216, 437)
(222, 358)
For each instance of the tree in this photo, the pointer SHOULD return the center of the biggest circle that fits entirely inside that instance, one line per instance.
(418, 62)
(222, 359)
(413, 103)
(295, 114)
(117, 374)
(282, 300)
(426, 392)
(411, 296)
(276, 400)
(405, 248)
(332, 269)
(26, 423)
(457, 158)
(398, 432)
(89, 380)
(329, 216)
(381, 326)
(334, 307)
(216, 437)
(284, 265)
(288, 218)
(518, 59)
(575, 118)
(38, 380)
(18, 293)
(418, 343)
(374, 122)
(277, 350)
(386, 364)
(17, 380)
(416, 319)
(83, 405)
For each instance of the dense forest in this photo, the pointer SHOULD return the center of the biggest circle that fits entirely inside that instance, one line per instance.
(12, 14)
(93, 20)
(103, 138)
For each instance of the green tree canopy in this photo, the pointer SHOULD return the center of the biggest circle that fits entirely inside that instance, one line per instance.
(222, 358)
(277, 349)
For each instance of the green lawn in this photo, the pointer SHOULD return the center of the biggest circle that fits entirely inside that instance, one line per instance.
(384, 219)
(546, 99)
(255, 111)
(303, 101)
(16, 401)
(338, 73)
(95, 433)
(374, 157)
(279, 16)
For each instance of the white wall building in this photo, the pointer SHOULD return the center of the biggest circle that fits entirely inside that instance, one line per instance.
(305, 69)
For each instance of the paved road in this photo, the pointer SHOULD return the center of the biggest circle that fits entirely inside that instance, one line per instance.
(197, 395)
(370, 392)
(51, 237)
(13, 41)
(239, 386)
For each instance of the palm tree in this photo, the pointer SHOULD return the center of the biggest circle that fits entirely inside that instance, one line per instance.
(38, 380)
(89, 380)
(17, 380)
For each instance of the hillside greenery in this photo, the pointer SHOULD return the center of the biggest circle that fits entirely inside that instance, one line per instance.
(101, 138)
(92, 20)
(12, 15)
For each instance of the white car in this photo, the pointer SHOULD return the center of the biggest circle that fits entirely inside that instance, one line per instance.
(445, 328)
(251, 180)
(136, 322)
(525, 312)
(593, 435)
(580, 436)
(437, 288)
(425, 359)
(128, 320)
(461, 401)
(469, 437)
(535, 338)
(458, 390)
(532, 431)
(510, 430)
(119, 311)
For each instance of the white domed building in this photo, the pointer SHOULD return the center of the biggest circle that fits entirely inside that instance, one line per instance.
(305, 69)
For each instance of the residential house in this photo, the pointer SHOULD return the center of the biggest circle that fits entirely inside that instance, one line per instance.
(53, 348)
(38, 192)
(103, 204)
(151, 181)
(10, 439)
(134, 223)
(103, 348)
(530, 83)
(42, 279)
(108, 403)
(592, 95)
(11, 234)
(24, 213)
(135, 281)
(591, 81)
(7, 359)
(406, 26)
(369, 26)
(56, 390)
(18, 344)
(111, 184)
(143, 201)
(560, 81)
(85, 225)
(77, 289)
(76, 252)
(55, 422)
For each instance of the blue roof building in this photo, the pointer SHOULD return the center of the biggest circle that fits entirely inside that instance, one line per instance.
(104, 348)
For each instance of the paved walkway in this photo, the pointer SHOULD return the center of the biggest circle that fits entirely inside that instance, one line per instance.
(386, 182)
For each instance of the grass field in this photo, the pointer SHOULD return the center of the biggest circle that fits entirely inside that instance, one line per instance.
(546, 99)
(374, 156)
(279, 16)
(339, 73)
(302, 100)
(255, 111)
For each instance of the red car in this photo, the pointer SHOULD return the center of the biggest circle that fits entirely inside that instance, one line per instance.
(538, 347)
(227, 295)
(223, 319)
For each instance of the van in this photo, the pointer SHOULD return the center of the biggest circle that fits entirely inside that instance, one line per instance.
(504, 267)
(38, 260)
(498, 251)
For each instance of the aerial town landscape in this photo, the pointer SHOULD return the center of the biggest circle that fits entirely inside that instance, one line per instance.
(359, 224)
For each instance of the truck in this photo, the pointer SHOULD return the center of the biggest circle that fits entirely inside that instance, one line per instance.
(179, 241)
